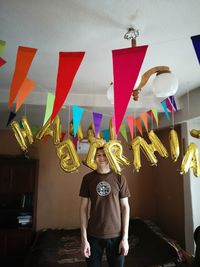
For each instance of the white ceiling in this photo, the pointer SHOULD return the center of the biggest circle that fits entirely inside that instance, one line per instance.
(96, 27)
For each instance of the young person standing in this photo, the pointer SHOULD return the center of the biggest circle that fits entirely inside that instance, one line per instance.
(104, 194)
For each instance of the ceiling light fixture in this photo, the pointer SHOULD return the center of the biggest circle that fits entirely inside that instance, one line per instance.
(131, 34)
(165, 83)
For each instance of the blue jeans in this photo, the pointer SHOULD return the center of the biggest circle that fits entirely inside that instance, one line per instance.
(111, 247)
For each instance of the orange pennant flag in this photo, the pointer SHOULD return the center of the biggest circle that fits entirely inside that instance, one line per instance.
(130, 120)
(138, 125)
(24, 91)
(144, 118)
(24, 59)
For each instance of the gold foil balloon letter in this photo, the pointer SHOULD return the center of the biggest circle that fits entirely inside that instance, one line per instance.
(22, 134)
(90, 158)
(195, 133)
(191, 160)
(114, 153)
(46, 130)
(67, 154)
(148, 151)
(174, 145)
(79, 132)
(157, 144)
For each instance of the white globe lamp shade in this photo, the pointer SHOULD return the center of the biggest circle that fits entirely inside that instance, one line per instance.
(165, 84)
(110, 94)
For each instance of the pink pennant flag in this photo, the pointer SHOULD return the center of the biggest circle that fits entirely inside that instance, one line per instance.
(97, 118)
(138, 125)
(144, 118)
(114, 127)
(69, 63)
(130, 120)
(25, 89)
(24, 59)
(169, 105)
(126, 67)
(173, 102)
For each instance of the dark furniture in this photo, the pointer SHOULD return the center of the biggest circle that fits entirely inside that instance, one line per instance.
(18, 199)
(148, 247)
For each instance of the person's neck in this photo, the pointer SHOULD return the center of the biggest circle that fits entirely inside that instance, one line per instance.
(103, 170)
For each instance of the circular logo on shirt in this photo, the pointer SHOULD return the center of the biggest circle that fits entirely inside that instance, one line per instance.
(103, 189)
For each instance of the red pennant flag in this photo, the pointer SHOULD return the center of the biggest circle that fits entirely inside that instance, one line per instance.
(126, 67)
(69, 63)
(24, 59)
(2, 62)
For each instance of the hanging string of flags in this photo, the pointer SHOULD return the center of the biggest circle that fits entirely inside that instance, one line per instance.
(126, 67)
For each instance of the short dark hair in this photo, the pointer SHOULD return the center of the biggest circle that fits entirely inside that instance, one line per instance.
(99, 148)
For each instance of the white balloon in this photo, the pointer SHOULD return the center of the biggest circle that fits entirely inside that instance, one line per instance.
(164, 85)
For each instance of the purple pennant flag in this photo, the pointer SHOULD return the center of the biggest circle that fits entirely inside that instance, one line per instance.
(11, 117)
(97, 118)
(196, 44)
(173, 102)
(164, 105)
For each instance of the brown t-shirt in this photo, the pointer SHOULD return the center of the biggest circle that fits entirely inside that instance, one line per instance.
(104, 191)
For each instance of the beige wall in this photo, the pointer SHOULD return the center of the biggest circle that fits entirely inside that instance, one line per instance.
(156, 192)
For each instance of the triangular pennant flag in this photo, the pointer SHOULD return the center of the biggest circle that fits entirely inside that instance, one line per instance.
(11, 117)
(169, 105)
(164, 105)
(196, 44)
(114, 127)
(77, 113)
(106, 134)
(138, 125)
(123, 131)
(155, 114)
(62, 136)
(49, 107)
(75, 141)
(97, 118)
(144, 118)
(69, 63)
(130, 120)
(24, 59)
(173, 102)
(2, 61)
(26, 88)
(34, 129)
(126, 67)
(2, 46)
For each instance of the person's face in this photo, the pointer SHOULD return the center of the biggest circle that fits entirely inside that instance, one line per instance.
(101, 159)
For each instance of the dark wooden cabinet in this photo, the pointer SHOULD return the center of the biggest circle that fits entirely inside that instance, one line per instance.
(18, 203)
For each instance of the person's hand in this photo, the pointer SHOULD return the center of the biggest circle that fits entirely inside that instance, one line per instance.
(123, 247)
(86, 249)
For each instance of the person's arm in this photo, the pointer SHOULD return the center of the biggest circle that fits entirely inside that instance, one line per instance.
(84, 221)
(125, 213)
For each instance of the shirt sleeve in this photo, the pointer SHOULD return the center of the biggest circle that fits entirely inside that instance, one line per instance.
(124, 190)
(84, 190)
